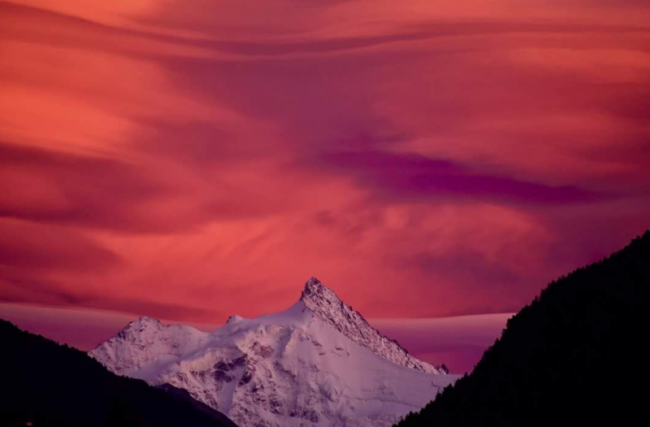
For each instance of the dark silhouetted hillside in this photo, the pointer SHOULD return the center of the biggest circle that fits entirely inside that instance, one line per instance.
(576, 356)
(47, 384)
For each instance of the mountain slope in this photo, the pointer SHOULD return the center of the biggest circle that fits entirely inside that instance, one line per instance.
(318, 363)
(575, 356)
(326, 304)
(52, 385)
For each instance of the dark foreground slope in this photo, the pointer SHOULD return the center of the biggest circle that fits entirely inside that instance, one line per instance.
(576, 356)
(52, 385)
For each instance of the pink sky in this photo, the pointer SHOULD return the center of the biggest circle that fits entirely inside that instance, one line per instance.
(193, 159)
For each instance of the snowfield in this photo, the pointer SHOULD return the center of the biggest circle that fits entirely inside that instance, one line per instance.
(318, 363)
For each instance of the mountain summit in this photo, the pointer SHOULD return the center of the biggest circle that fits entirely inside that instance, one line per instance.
(326, 304)
(318, 363)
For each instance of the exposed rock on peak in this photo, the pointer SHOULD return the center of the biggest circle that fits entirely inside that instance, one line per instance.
(316, 294)
(313, 285)
(146, 321)
(141, 325)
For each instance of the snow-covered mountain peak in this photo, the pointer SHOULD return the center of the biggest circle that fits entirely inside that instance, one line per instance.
(234, 319)
(329, 307)
(145, 322)
(141, 325)
(316, 364)
(316, 294)
(142, 341)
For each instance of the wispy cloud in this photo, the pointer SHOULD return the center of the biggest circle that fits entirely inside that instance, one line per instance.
(190, 159)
